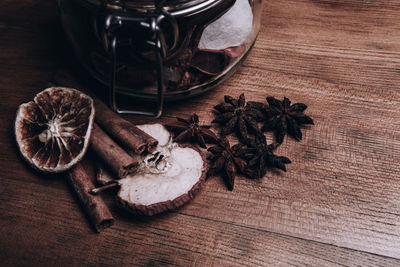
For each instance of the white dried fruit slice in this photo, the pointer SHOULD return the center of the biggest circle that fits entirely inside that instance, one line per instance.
(53, 130)
(167, 178)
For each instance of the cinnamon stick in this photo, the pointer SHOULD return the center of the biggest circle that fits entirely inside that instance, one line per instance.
(122, 130)
(81, 179)
(112, 154)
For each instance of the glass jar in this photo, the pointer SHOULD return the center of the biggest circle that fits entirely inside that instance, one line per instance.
(160, 50)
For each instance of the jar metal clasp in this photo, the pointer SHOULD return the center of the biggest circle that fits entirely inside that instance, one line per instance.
(157, 42)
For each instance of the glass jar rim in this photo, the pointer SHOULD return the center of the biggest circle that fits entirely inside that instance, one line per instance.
(148, 6)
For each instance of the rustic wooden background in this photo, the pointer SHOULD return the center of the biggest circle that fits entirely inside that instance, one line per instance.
(338, 204)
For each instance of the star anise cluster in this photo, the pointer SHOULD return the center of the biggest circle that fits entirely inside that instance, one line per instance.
(235, 115)
(252, 156)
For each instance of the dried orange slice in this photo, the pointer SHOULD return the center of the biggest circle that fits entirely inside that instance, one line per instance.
(166, 179)
(53, 130)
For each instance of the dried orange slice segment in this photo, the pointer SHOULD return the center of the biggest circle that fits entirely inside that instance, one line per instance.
(53, 130)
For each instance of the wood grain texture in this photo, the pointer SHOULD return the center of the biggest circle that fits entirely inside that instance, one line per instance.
(170, 239)
(338, 204)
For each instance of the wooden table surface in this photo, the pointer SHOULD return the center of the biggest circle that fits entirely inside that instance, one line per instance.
(338, 203)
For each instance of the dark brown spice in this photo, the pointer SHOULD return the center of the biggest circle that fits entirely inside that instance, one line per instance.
(283, 118)
(224, 160)
(195, 66)
(236, 115)
(190, 131)
(260, 157)
(252, 157)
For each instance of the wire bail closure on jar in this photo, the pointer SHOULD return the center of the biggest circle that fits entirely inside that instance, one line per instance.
(157, 42)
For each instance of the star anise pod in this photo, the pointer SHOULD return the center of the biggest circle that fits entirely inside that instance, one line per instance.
(225, 161)
(284, 118)
(235, 114)
(190, 131)
(260, 158)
